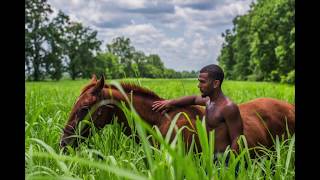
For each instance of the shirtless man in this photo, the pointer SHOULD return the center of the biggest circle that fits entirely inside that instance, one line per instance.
(222, 115)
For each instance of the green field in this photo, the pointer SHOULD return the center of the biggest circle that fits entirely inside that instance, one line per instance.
(112, 155)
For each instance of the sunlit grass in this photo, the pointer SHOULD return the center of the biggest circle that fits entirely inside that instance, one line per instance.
(109, 154)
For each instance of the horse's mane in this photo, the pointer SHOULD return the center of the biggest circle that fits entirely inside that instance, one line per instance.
(127, 87)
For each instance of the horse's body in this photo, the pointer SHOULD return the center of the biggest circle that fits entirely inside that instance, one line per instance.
(256, 115)
(273, 112)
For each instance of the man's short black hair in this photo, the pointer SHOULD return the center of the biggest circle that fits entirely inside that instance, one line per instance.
(214, 71)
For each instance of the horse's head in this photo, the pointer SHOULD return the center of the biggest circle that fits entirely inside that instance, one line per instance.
(103, 106)
(89, 96)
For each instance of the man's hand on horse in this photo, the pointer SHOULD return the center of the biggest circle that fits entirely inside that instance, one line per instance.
(162, 106)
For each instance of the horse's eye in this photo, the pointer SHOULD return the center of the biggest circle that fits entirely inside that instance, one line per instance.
(85, 109)
(82, 111)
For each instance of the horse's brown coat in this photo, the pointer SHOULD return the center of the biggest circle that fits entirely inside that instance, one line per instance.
(256, 114)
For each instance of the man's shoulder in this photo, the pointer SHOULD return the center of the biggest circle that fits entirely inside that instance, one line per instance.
(231, 111)
(230, 106)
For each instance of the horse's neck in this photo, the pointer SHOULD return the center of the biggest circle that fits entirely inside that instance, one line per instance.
(142, 105)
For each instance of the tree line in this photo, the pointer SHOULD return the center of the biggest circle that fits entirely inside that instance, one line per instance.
(55, 45)
(261, 44)
(121, 59)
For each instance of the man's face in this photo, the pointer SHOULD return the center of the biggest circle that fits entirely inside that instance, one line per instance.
(205, 84)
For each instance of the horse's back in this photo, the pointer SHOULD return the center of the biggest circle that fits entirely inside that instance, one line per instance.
(256, 114)
(266, 112)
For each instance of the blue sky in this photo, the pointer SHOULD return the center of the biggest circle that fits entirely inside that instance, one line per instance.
(186, 34)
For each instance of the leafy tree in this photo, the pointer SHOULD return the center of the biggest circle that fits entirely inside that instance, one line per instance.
(241, 45)
(82, 43)
(155, 60)
(140, 61)
(36, 25)
(57, 43)
(226, 59)
(155, 66)
(108, 65)
(122, 48)
(262, 46)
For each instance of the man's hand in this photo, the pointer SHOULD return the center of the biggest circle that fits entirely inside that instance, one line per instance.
(162, 106)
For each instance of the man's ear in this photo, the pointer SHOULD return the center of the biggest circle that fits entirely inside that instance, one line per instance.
(216, 83)
(99, 86)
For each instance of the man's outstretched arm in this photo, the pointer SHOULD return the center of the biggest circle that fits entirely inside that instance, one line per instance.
(183, 101)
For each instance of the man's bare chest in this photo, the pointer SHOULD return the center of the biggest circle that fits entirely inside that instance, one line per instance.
(214, 116)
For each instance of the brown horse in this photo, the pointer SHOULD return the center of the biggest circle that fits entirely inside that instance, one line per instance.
(256, 114)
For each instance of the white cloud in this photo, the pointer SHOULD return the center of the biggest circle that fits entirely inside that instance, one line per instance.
(135, 31)
(173, 43)
(141, 35)
(186, 34)
(131, 4)
(222, 14)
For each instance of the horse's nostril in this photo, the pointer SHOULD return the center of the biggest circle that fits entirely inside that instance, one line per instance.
(63, 144)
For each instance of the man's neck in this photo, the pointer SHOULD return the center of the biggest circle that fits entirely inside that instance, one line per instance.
(218, 93)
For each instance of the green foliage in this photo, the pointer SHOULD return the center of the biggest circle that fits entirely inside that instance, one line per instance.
(226, 59)
(82, 43)
(36, 25)
(55, 46)
(57, 43)
(290, 78)
(122, 48)
(261, 45)
(109, 66)
(133, 63)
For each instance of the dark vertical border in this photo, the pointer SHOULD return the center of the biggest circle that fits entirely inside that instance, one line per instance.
(12, 90)
(307, 89)
(298, 81)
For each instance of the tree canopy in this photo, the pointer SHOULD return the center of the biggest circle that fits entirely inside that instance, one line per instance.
(261, 45)
(57, 45)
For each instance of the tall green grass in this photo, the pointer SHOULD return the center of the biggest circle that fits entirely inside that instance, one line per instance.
(109, 154)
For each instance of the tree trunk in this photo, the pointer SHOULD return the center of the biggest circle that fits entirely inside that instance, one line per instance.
(36, 67)
(36, 61)
(36, 72)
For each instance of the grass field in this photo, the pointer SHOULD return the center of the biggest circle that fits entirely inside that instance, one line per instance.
(112, 155)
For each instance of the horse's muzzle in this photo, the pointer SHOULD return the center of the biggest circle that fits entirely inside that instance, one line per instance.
(66, 141)
(63, 144)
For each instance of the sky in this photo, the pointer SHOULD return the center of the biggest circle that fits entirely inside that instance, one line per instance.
(186, 34)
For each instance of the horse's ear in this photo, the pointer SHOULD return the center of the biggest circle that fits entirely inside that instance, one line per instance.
(94, 78)
(99, 86)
